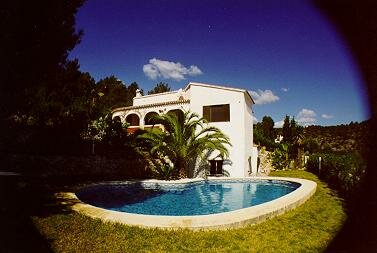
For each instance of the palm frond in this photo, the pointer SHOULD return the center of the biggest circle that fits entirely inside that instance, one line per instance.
(185, 141)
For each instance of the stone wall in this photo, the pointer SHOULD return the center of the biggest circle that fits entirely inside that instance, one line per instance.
(264, 162)
(76, 166)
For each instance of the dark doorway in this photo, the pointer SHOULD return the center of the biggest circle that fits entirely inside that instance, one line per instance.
(216, 167)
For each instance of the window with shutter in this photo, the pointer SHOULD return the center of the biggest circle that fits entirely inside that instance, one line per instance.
(216, 113)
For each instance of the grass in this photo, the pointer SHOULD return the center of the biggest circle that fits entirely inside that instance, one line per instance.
(308, 228)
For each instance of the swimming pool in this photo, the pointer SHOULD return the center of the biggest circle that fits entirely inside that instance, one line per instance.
(198, 198)
(224, 219)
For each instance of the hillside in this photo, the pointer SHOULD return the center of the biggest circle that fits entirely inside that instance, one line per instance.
(341, 138)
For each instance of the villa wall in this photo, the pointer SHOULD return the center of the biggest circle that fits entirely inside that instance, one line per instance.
(142, 112)
(235, 129)
(251, 154)
(159, 98)
(239, 129)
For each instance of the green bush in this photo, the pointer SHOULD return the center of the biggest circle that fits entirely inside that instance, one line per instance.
(343, 172)
(280, 157)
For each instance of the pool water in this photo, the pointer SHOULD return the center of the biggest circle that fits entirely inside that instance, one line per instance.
(200, 198)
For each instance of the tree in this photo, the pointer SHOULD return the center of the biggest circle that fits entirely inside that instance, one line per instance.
(160, 88)
(131, 92)
(56, 115)
(109, 93)
(264, 133)
(260, 139)
(286, 131)
(184, 141)
(35, 40)
(296, 139)
(42, 92)
(67, 101)
(268, 127)
(292, 137)
(107, 130)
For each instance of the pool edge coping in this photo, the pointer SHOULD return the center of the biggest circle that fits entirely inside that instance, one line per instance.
(232, 219)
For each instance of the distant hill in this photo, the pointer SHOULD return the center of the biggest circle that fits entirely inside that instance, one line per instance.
(341, 138)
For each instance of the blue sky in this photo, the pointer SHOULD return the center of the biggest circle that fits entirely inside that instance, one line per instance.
(285, 53)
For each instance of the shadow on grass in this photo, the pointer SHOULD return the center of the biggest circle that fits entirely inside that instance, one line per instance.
(27, 195)
(22, 197)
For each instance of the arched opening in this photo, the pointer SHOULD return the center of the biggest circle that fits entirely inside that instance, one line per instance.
(148, 119)
(117, 119)
(178, 113)
(133, 119)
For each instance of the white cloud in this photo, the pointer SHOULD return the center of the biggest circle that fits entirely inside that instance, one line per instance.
(255, 120)
(263, 97)
(285, 89)
(169, 70)
(327, 116)
(279, 124)
(306, 117)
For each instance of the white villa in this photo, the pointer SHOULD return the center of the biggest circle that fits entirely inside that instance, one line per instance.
(229, 109)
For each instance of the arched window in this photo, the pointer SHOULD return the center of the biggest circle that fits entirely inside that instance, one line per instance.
(178, 113)
(133, 119)
(148, 119)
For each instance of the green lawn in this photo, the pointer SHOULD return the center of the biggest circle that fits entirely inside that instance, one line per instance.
(308, 228)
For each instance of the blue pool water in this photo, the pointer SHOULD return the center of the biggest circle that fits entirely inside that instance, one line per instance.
(200, 198)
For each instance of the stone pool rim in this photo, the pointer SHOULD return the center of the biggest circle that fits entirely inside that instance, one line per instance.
(231, 219)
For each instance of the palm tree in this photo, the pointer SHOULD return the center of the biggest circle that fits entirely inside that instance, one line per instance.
(184, 140)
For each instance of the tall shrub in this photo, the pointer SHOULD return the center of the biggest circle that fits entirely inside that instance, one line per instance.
(280, 157)
(343, 172)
